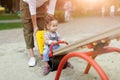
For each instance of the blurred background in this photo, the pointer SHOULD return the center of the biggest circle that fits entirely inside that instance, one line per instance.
(80, 8)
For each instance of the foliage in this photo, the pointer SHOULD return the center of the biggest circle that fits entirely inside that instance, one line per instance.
(60, 4)
(59, 14)
(2, 9)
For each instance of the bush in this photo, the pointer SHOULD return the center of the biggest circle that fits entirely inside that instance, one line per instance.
(2, 9)
(60, 16)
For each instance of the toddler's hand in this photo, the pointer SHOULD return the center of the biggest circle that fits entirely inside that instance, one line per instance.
(55, 42)
(64, 41)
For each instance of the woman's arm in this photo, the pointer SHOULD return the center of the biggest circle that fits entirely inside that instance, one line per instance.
(51, 7)
(34, 22)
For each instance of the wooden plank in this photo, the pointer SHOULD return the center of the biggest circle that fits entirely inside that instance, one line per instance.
(107, 35)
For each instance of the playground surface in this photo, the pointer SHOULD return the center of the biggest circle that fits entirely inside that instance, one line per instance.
(14, 56)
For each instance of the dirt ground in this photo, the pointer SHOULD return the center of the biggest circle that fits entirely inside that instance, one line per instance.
(14, 56)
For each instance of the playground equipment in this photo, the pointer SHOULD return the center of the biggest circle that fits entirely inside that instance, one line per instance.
(86, 58)
(99, 43)
(40, 40)
(106, 36)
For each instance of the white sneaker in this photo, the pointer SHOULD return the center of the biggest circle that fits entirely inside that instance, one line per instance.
(32, 62)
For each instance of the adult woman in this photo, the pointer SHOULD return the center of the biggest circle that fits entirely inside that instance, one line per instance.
(33, 13)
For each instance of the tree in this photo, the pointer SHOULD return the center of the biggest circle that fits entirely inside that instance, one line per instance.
(10, 5)
(15, 7)
(7, 4)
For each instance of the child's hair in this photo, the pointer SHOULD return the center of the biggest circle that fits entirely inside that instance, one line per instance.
(48, 21)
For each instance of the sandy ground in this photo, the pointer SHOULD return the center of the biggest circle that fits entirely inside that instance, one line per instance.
(14, 56)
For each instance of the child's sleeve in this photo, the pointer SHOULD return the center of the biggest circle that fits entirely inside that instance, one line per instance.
(47, 38)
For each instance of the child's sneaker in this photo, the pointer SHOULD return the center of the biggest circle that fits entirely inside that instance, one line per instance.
(46, 70)
(32, 62)
(70, 65)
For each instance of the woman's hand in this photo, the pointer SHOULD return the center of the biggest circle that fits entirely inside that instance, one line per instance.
(35, 29)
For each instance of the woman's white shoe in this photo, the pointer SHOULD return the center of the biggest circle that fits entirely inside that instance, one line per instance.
(32, 62)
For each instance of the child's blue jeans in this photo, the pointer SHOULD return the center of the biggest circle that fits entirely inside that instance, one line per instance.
(47, 51)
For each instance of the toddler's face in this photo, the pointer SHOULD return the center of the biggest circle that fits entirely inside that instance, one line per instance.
(53, 26)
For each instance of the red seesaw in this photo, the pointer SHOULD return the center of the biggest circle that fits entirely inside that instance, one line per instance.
(86, 58)
(99, 45)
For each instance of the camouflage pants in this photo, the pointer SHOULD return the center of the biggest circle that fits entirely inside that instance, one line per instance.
(27, 22)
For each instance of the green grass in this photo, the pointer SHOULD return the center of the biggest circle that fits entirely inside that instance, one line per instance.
(6, 26)
(9, 17)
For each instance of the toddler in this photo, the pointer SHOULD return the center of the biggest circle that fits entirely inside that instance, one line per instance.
(51, 36)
